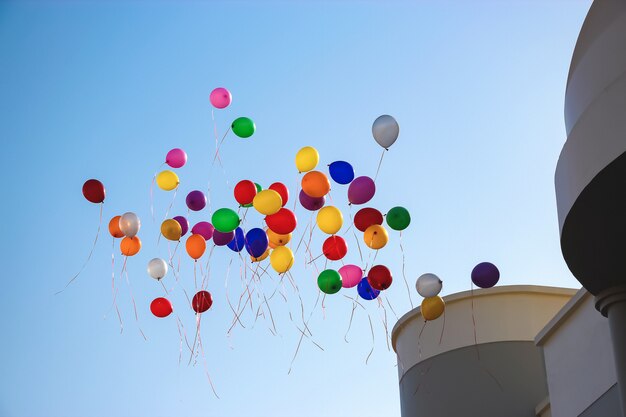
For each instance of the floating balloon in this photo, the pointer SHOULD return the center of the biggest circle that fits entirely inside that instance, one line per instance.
(195, 246)
(281, 259)
(366, 217)
(171, 230)
(432, 307)
(267, 202)
(341, 172)
(361, 190)
(94, 191)
(114, 227)
(398, 218)
(315, 184)
(428, 285)
(262, 257)
(329, 220)
(202, 301)
(220, 98)
(157, 268)
(281, 189)
(335, 248)
(196, 200)
(239, 241)
(276, 239)
(243, 127)
(222, 239)
(282, 222)
(376, 236)
(385, 130)
(366, 291)
(256, 242)
(329, 281)
(161, 307)
(245, 190)
(351, 275)
(225, 220)
(310, 203)
(167, 180)
(204, 229)
(130, 246)
(485, 275)
(258, 190)
(379, 277)
(176, 158)
(307, 159)
(184, 224)
(130, 224)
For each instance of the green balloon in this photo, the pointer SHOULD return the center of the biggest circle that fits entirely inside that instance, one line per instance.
(243, 127)
(329, 281)
(225, 220)
(258, 190)
(398, 218)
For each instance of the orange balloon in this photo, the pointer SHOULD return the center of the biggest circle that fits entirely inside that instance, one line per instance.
(315, 184)
(114, 227)
(196, 245)
(130, 245)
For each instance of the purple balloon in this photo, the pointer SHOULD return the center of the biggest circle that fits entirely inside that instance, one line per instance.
(361, 190)
(196, 200)
(205, 229)
(311, 203)
(184, 224)
(485, 275)
(222, 239)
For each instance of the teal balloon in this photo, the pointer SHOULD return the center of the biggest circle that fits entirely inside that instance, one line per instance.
(398, 218)
(329, 281)
(243, 127)
(225, 220)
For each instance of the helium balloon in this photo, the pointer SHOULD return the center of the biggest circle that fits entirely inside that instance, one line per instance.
(485, 275)
(366, 217)
(428, 285)
(171, 230)
(222, 239)
(258, 190)
(94, 191)
(276, 239)
(196, 200)
(385, 130)
(281, 189)
(225, 220)
(239, 241)
(329, 220)
(202, 301)
(195, 245)
(220, 98)
(205, 229)
(366, 291)
(310, 203)
(161, 307)
(129, 224)
(398, 218)
(281, 259)
(376, 236)
(283, 222)
(379, 277)
(262, 257)
(341, 172)
(167, 180)
(361, 190)
(243, 127)
(256, 242)
(329, 281)
(114, 227)
(176, 158)
(130, 246)
(307, 159)
(245, 190)
(351, 275)
(315, 184)
(335, 248)
(432, 307)
(157, 268)
(184, 224)
(267, 202)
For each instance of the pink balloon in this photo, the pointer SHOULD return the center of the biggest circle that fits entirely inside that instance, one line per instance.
(220, 98)
(361, 190)
(205, 229)
(351, 275)
(176, 158)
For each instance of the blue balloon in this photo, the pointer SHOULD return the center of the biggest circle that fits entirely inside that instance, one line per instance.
(366, 291)
(256, 242)
(341, 172)
(238, 242)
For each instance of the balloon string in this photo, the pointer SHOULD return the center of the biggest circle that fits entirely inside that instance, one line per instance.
(443, 327)
(130, 291)
(345, 336)
(170, 206)
(379, 164)
(391, 307)
(90, 253)
(474, 321)
(302, 333)
(419, 336)
(205, 279)
(228, 299)
(206, 367)
(384, 320)
(217, 151)
(113, 290)
(373, 339)
(406, 283)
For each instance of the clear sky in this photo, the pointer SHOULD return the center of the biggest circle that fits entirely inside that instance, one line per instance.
(104, 90)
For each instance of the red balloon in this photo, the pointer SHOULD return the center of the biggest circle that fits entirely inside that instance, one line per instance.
(335, 248)
(379, 277)
(281, 189)
(202, 301)
(245, 190)
(93, 190)
(366, 217)
(161, 307)
(282, 222)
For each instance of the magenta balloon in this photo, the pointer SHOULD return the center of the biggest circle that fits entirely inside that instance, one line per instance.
(176, 158)
(222, 239)
(351, 275)
(311, 203)
(220, 98)
(361, 190)
(196, 200)
(205, 229)
(184, 224)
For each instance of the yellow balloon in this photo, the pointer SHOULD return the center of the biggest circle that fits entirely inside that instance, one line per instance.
(276, 239)
(167, 180)
(281, 259)
(171, 229)
(376, 236)
(267, 202)
(262, 257)
(307, 158)
(329, 220)
(432, 307)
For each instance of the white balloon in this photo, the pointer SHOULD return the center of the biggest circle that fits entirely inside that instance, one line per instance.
(385, 130)
(157, 268)
(130, 224)
(428, 285)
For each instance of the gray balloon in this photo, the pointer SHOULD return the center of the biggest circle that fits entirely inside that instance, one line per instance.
(385, 130)
(428, 285)
(130, 224)
(157, 268)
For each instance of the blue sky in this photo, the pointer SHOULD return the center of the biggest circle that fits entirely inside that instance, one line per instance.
(95, 90)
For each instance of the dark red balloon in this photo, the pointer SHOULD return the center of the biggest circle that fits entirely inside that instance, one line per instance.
(202, 301)
(335, 248)
(281, 189)
(366, 217)
(245, 190)
(379, 277)
(282, 222)
(161, 307)
(93, 190)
